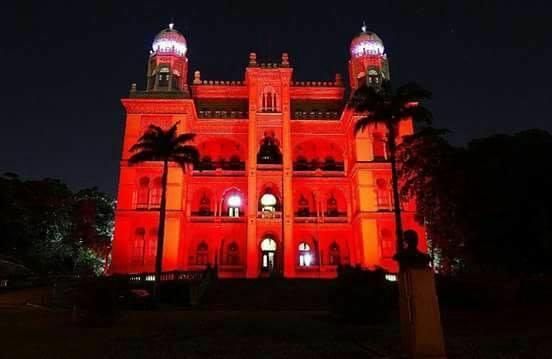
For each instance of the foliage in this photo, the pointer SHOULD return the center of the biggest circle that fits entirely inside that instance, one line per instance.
(486, 205)
(431, 170)
(382, 105)
(45, 227)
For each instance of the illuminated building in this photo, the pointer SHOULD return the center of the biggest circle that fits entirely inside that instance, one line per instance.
(283, 185)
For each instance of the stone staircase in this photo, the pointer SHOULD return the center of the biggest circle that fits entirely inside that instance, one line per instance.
(268, 294)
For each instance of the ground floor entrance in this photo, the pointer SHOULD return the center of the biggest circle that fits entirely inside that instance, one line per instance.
(268, 256)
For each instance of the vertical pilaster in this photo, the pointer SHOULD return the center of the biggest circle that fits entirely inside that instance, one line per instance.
(252, 249)
(289, 258)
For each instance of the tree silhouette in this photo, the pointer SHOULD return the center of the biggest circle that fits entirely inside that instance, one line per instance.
(166, 146)
(382, 105)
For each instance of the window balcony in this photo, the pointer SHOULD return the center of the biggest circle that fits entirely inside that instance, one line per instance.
(269, 215)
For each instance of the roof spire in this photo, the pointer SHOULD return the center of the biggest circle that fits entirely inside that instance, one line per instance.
(363, 27)
(171, 25)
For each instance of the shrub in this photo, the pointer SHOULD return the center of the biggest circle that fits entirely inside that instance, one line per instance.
(363, 295)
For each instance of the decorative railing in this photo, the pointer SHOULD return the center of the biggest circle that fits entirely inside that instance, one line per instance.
(339, 217)
(220, 83)
(316, 115)
(269, 215)
(314, 165)
(181, 276)
(223, 165)
(213, 114)
(317, 83)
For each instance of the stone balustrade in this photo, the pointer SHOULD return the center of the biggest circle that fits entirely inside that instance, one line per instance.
(316, 115)
(223, 114)
(316, 83)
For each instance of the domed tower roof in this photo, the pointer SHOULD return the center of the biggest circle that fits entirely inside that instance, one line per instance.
(170, 41)
(366, 43)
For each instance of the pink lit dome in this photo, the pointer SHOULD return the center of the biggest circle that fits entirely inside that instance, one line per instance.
(366, 43)
(170, 41)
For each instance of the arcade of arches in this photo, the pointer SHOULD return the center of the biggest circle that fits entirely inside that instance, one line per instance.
(283, 186)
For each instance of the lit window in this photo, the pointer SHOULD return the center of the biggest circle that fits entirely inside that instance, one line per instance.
(234, 203)
(268, 202)
(305, 256)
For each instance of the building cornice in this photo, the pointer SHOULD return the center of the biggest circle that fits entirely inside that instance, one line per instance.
(158, 106)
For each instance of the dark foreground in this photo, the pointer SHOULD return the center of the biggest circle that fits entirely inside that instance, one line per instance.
(36, 332)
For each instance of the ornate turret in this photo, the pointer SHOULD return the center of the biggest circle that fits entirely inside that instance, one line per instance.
(368, 63)
(168, 64)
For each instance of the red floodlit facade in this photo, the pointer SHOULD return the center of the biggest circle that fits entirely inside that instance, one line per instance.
(283, 186)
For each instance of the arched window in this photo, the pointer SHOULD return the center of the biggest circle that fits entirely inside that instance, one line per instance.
(269, 101)
(301, 164)
(383, 195)
(303, 209)
(378, 146)
(142, 198)
(205, 206)
(150, 252)
(268, 254)
(164, 75)
(373, 77)
(330, 164)
(387, 243)
(235, 163)
(269, 151)
(305, 255)
(332, 210)
(233, 254)
(334, 255)
(155, 193)
(268, 201)
(234, 204)
(138, 244)
(202, 254)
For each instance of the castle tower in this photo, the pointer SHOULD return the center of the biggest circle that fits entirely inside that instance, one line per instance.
(168, 64)
(368, 63)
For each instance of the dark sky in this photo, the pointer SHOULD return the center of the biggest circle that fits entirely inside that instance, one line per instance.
(66, 64)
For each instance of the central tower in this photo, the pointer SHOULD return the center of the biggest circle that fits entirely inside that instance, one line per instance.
(269, 164)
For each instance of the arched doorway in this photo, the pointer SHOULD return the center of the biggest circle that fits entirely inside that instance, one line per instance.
(268, 255)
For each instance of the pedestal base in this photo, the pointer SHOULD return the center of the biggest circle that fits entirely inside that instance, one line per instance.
(421, 331)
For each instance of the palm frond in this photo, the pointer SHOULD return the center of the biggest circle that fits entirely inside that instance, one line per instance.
(143, 156)
(185, 138)
(150, 146)
(411, 92)
(418, 113)
(364, 122)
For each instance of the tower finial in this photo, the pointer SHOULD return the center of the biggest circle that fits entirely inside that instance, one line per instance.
(363, 27)
(171, 25)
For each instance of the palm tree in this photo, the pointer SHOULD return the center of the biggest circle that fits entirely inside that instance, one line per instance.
(384, 106)
(159, 145)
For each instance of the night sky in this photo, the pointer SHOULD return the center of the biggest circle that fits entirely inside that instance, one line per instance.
(65, 65)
